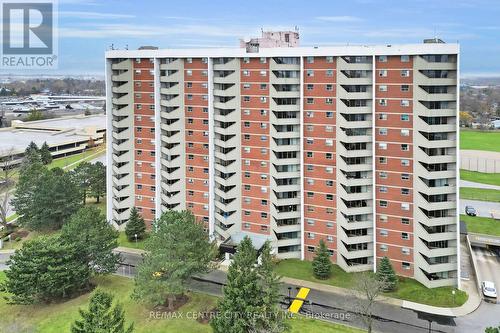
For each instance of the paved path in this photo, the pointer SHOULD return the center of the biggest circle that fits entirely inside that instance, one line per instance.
(100, 158)
(466, 183)
(483, 208)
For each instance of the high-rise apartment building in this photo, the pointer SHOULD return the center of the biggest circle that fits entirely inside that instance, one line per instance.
(355, 145)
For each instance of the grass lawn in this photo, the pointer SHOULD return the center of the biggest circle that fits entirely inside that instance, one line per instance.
(480, 194)
(123, 241)
(85, 156)
(479, 177)
(480, 140)
(55, 318)
(408, 289)
(481, 225)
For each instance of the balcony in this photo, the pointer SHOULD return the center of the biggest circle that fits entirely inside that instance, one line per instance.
(125, 64)
(421, 63)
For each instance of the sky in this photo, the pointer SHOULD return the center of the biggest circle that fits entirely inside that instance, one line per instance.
(88, 27)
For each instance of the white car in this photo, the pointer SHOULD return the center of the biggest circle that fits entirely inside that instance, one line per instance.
(489, 289)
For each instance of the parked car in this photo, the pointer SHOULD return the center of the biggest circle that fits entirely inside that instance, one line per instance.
(489, 290)
(469, 210)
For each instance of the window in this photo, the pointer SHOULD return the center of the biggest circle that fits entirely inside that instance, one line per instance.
(329, 87)
(405, 73)
(405, 147)
(263, 99)
(405, 235)
(329, 224)
(311, 249)
(246, 225)
(246, 98)
(382, 58)
(405, 206)
(405, 220)
(189, 72)
(310, 72)
(383, 203)
(382, 146)
(189, 84)
(263, 86)
(384, 233)
(405, 88)
(405, 250)
(405, 103)
(405, 176)
(405, 162)
(310, 100)
(382, 175)
(382, 131)
(382, 102)
(405, 265)
(384, 248)
(405, 58)
(405, 191)
(263, 73)
(204, 73)
(329, 101)
(246, 86)
(405, 132)
(329, 72)
(246, 60)
(382, 116)
(189, 60)
(262, 60)
(382, 189)
(329, 59)
(382, 160)
(383, 218)
(310, 235)
(310, 60)
(382, 88)
(310, 87)
(329, 239)
(246, 73)
(405, 117)
(382, 73)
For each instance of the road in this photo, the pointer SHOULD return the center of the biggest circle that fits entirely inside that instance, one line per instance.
(465, 183)
(487, 314)
(483, 208)
(333, 307)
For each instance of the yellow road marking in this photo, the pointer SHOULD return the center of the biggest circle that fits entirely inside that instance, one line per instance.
(299, 300)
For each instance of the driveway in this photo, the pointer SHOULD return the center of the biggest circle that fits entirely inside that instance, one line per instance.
(465, 183)
(488, 266)
(483, 208)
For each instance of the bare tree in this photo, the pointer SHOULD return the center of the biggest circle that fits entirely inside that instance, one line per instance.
(367, 291)
(7, 172)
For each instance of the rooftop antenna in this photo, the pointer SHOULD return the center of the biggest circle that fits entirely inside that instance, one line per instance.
(112, 47)
(126, 47)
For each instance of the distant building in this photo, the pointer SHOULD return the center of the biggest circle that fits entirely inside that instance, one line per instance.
(64, 136)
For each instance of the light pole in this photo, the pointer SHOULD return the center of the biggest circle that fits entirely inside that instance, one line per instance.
(135, 235)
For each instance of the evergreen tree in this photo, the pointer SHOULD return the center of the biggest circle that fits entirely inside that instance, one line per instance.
(135, 226)
(45, 270)
(101, 316)
(82, 177)
(178, 249)
(97, 186)
(273, 320)
(322, 266)
(89, 231)
(241, 293)
(492, 329)
(45, 154)
(386, 274)
(31, 149)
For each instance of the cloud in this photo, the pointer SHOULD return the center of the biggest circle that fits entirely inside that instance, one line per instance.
(140, 31)
(346, 18)
(93, 15)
